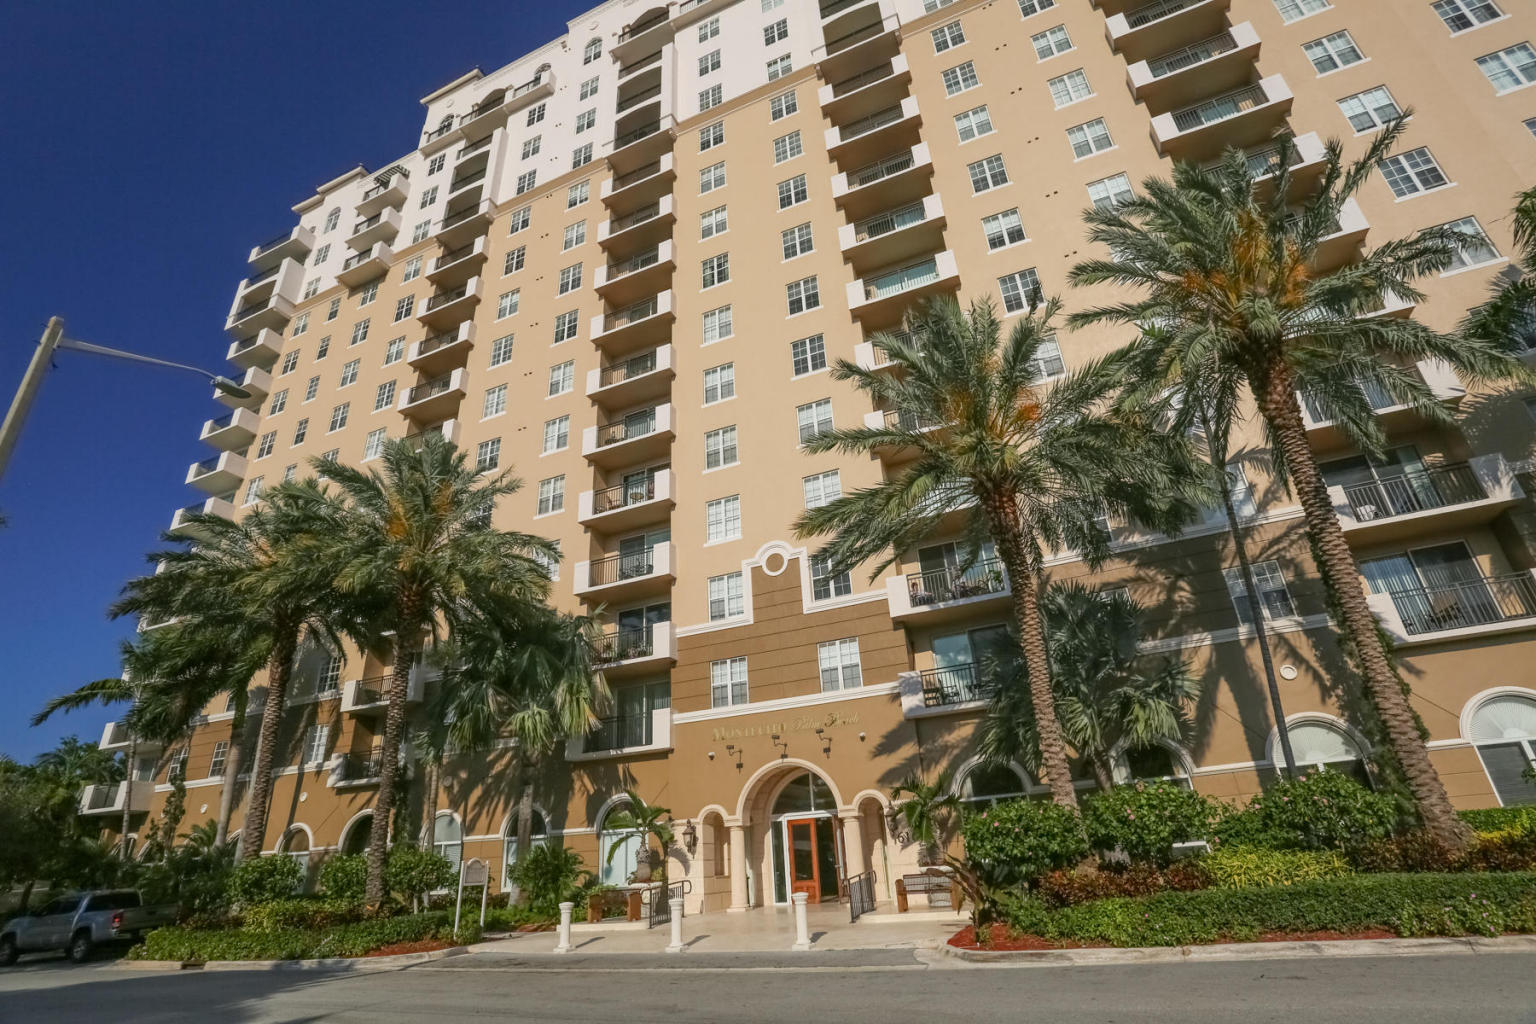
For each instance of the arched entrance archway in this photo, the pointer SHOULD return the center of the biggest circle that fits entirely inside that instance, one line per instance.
(789, 837)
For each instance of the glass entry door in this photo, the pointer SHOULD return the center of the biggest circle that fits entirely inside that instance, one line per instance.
(812, 857)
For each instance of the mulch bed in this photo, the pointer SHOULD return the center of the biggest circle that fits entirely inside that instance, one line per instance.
(420, 946)
(1003, 940)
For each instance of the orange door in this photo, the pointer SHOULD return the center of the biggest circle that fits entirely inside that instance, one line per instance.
(804, 869)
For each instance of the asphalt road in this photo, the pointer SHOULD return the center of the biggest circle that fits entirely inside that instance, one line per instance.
(888, 986)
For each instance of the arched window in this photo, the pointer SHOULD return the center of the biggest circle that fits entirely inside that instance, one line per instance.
(621, 867)
(448, 838)
(988, 785)
(295, 845)
(509, 845)
(333, 218)
(1504, 731)
(1152, 764)
(1322, 744)
(356, 839)
(805, 792)
(593, 51)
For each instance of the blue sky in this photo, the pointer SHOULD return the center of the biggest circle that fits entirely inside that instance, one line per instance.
(148, 147)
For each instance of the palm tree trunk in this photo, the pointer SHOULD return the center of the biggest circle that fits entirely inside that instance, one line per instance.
(1276, 395)
(525, 821)
(279, 670)
(1103, 775)
(231, 779)
(133, 757)
(406, 648)
(1003, 520)
(430, 776)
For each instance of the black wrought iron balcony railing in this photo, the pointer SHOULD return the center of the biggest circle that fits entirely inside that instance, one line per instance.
(433, 342)
(1374, 389)
(365, 224)
(462, 216)
(431, 389)
(1463, 603)
(891, 165)
(1417, 491)
(626, 429)
(639, 261)
(356, 767)
(272, 243)
(636, 134)
(265, 275)
(448, 125)
(252, 310)
(467, 180)
(624, 644)
(450, 258)
(955, 684)
(838, 6)
(371, 690)
(854, 38)
(1220, 108)
(610, 499)
(619, 733)
(859, 81)
(631, 314)
(473, 148)
(639, 28)
(903, 419)
(442, 299)
(618, 373)
(419, 438)
(1148, 13)
(640, 216)
(640, 64)
(897, 281)
(246, 344)
(935, 586)
(379, 188)
(638, 98)
(618, 568)
(358, 259)
(1194, 53)
(871, 123)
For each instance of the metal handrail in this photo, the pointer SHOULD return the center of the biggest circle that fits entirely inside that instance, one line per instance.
(847, 85)
(956, 684)
(637, 98)
(357, 259)
(356, 767)
(1265, 160)
(615, 568)
(885, 223)
(638, 174)
(1414, 491)
(640, 216)
(467, 180)
(448, 125)
(245, 344)
(431, 388)
(269, 272)
(633, 367)
(630, 314)
(870, 123)
(623, 644)
(1148, 13)
(419, 437)
(935, 586)
(443, 298)
(385, 186)
(639, 261)
(472, 148)
(861, 895)
(853, 38)
(636, 65)
(619, 731)
(1373, 387)
(905, 279)
(901, 419)
(1220, 108)
(619, 430)
(636, 134)
(610, 499)
(220, 423)
(477, 210)
(253, 309)
(642, 27)
(433, 342)
(1477, 602)
(1194, 53)
(838, 6)
(871, 173)
(453, 257)
(272, 243)
(365, 224)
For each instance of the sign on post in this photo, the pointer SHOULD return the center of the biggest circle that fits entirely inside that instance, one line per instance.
(472, 872)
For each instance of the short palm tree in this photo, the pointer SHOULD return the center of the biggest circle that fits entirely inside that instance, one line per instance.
(932, 812)
(1508, 319)
(1024, 463)
(1109, 697)
(647, 821)
(1231, 284)
(413, 541)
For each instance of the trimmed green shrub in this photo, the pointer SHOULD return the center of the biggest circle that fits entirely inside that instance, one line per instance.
(1503, 819)
(414, 873)
(1322, 810)
(1243, 868)
(1065, 888)
(1146, 819)
(550, 875)
(264, 879)
(302, 914)
(344, 876)
(1509, 850)
(1020, 840)
(345, 940)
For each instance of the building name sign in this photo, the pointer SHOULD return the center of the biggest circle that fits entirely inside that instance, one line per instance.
(800, 723)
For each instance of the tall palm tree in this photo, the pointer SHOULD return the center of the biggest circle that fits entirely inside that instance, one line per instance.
(1230, 279)
(1508, 319)
(1108, 695)
(413, 540)
(1023, 463)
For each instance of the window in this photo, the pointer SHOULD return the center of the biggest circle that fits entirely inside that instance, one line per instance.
(557, 434)
(339, 417)
(349, 373)
(394, 350)
(527, 180)
(839, 662)
(1109, 192)
(311, 287)
(727, 682)
(1475, 249)
(334, 310)
(719, 383)
(322, 254)
(782, 106)
(822, 488)
(429, 196)
(566, 327)
(1070, 87)
(412, 269)
(1412, 172)
(279, 402)
(437, 163)
(960, 78)
(725, 597)
(447, 833)
(562, 378)
(330, 456)
(1461, 15)
(373, 444)
(1370, 109)
(717, 325)
(709, 30)
(796, 241)
(531, 146)
(711, 135)
(808, 355)
(588, 88)
(720, 448)
(708, 63)
(507, 302)
(300, 325)
(1510, 69)
(290, 471)
(1333, 52)
(1503, 729)
(515, 260)
(947, 37)
(1530, 123)
(722, 519)
(792, 192)
(585, 121)
(300, 430)
(1047, 362)
(404, 307)
(332, 219)
(570, 279)
(814, 418)
(987, 174)
(495, 401)
(520, 220)
(487, 454)
(253, 490)
(779, 67)
(712, 177)
(535, 115)
(802, 295)
(715, 270)
(551, 495)
(776, 32)
(1003, 229)
(1274, 598)
(711, 97)
(581, 155)
(1028, 7)
(1088, 139)
(312, 388)
(713, 222)
(1295, 10)
(290, 362)
(384, 397)
(1020, 289)
(501, 350)
(220, 753)
(825, 583)
(315, 738)
(360, 332)
(1051, 42)
(787, 147)
(266, 444)
(973, 123)
(593, 50)
(421, 231)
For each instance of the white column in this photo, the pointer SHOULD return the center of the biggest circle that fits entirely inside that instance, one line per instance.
(565, 928)
(676, 905)
(853, 844)
(802, 930)
(738, 867)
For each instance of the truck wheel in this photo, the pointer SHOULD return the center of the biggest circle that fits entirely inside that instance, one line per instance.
(80, 947)
(8, 950)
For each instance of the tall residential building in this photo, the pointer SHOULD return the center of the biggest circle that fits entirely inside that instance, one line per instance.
(622, 265)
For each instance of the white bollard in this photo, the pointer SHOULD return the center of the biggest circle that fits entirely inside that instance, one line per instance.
(802, 930)
(676, 905)
(565, 928)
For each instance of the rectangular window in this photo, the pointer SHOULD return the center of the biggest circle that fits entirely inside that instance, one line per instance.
(711, 135)
(947, 37)
(779, 67)
(290, 362)
(719, 383)
(581, 155)
(526, 181)
(973, 123)
(515, 261)
(535, 115)
(588, 88)
(710, 98)
(960, 78)
(713, 222)
(322, 254)
(220, 753)
(266, 444)
(315, 738)
(793, 192)
(715, 270)
(1295, 10)
(429, 196)
(578, 194)
(501, 350)
(575, 234)
(802, 295)
(813, 418)
(720, 448)
(585, 121)
(1461, 15)
(487, 454)
(1028, 7)
(717, 325)
(279, 402)
(404, 307)
(726, 600)
(1051, 42)
(421, 231)
(551, 495)
(290, 471)
(1333, 52)
(808, 355)
(311, 287)
(300, 430)
(339, 417)
(796, 241)
(412, 269)
(570, 279)
(1274, 598)
(787, 147)
(368, 293)
(822, 488)
(333, 310)
(495, 401)
(507, 303)
(557, 434)
(1070, 88)
(312, 388)
(1047, 362)
(1088, 139)
(1003, 229)
(987, 174)
(562, 378)
(709, 30)
(708, 63)
(712, 177)
(782, 106)
(727, 681)
(827, 584)
(1510, 69)
(1474, 249)
(359, 332)
(1370, 109)
(776, 32)
(1412, 172)
(566, 327)
(373, 444)
(520, 220)
(300, 325)
(722, 519)
(394, 350)
(839, 663)
(1020, 290)
(349, 373)
(384, 397)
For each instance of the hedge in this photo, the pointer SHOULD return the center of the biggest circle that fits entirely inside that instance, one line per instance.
(1437, 904)
(1503, 819)
(346, 940)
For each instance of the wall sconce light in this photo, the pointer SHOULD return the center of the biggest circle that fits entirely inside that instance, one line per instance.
(781, 743)
(690, 837)
(826, 741)
(732, 750)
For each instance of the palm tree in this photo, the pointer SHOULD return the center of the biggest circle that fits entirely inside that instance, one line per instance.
(1020, 462)
(413, 540)
(1232, 284)
(932, 811)
(646, 821)
(1108, 696)
(1508, 319)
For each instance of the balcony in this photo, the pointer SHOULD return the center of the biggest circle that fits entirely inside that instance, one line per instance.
(182, 527)
(370, 695)
(365, 266)
(439, 138)
(438, 353)
(627, 506)
(640, 378)
(381, 227)
(866, 92)
(641, 228)
(437, 399)
(641, 69)
(641, 145)
(462, 184)
(1307, 162)
(857, 143)
(116, 737)
(852, 47)
(893, 235)
(1180, 77)
(457, 229)
(285, 279)
(381, 195)
(944, 691)
(356, 769)
(624, 736)
(640, 187)
(448, 430)
(650, 33)
(624, 577)
(1456, 497)
(897, 178)
(473, 157)
(1461, 610)
(622, 653)
(1243, 117)
(109, 799)
(645, 324)
(631, 440)
(453, 268)
(1392, 416)
(629, 280)
(941, 594)
(492, 111)
(632, 99)
(1164, 25)
(446, 310)
(269, 314)
(883, 297)
(256, 381)
(235, 429)
(218, 475)
(1342, 245)
(295, 245)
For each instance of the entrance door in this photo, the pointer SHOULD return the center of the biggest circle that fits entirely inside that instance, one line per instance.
(813, 859)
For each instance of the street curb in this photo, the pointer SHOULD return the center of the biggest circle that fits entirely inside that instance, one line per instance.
(1227, 951)
(333, 964)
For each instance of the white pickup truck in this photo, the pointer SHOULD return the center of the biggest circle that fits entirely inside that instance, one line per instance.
(80, 922)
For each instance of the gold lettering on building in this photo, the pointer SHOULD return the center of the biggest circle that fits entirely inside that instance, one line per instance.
(800, 723)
